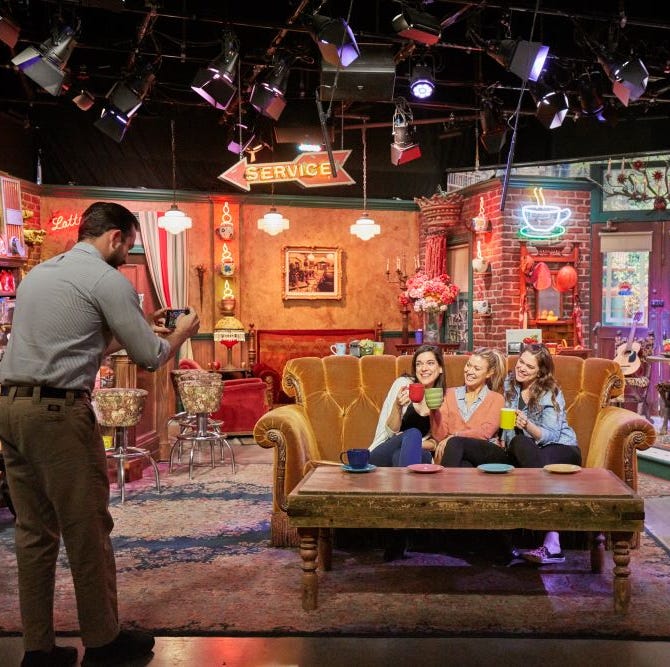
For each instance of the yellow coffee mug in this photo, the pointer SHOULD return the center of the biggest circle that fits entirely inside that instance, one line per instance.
(507, 418)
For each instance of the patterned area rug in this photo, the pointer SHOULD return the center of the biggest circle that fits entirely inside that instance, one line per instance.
(195, 560)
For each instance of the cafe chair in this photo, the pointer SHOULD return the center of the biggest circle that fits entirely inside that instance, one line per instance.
(121, 408)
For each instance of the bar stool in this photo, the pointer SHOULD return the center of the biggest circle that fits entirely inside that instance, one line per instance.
(200, 396)
(121, 408)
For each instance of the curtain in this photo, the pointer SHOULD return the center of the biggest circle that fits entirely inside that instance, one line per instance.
(435, 259)
(167, 261)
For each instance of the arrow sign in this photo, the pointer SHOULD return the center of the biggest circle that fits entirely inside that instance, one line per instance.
(310, 170)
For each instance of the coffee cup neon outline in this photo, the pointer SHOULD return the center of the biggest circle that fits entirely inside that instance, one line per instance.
(544, 218)
(356, 458)
(507, 418)
(338, 348)
(416, 392)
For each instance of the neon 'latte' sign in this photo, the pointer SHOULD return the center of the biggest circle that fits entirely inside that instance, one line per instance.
(542, 220)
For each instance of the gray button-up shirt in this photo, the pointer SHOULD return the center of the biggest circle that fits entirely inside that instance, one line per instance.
(68, 309)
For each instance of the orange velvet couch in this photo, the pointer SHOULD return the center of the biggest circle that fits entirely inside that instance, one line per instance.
(338, 400)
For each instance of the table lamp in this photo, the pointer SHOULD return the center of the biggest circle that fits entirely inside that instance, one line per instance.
(229, 331)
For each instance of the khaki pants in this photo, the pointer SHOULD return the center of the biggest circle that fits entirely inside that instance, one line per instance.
(57, 474)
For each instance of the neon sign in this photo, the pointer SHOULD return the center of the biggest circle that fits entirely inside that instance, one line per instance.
(542, 220)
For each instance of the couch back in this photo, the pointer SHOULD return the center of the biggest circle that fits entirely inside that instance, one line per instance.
(343, 395)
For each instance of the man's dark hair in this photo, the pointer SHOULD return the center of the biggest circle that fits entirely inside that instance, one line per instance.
(102, 216)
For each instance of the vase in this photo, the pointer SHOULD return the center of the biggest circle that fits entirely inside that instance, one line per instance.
(432, 327)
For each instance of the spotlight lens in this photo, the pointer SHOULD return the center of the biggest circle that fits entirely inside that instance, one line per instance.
(422, 88)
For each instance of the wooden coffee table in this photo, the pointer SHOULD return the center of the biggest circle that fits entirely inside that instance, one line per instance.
(593, 499)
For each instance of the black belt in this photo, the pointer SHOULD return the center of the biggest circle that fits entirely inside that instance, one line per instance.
(23, 391)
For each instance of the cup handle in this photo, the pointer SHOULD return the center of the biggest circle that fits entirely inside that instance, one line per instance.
(564, 214)
(333, 349)
(341, 459)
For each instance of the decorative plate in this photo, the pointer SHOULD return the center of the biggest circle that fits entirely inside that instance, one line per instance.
(425, 467)
(565, 468)
(495, 467)
(368, 468)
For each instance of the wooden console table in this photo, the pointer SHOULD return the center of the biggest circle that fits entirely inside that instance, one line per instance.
(593, 499)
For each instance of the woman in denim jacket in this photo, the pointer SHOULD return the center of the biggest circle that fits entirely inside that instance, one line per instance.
(541, 434)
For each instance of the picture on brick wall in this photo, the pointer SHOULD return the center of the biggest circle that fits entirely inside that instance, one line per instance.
(312, 273)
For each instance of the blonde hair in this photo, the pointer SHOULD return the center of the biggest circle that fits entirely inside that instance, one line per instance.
(497, 363)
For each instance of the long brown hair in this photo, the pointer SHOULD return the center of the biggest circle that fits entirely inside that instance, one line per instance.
(545, 381)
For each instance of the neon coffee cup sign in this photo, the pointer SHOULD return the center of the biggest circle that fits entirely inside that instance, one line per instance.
(542, 220)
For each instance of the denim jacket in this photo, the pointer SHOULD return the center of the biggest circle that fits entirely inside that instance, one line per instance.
(553, 423)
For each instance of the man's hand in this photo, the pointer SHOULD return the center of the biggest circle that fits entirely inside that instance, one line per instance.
(157, 322)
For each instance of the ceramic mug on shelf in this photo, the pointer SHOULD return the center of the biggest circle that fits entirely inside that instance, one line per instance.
(338, 348)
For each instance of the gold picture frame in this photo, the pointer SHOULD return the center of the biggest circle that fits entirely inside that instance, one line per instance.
(311, 272)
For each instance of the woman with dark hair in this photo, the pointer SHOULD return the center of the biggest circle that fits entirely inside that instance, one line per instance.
(542, 434)
(402, 436)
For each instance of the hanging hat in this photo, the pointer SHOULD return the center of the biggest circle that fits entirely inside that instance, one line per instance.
(566, 278)
(541, 276)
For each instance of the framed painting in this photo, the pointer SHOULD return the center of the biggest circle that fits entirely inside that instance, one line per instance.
(312, 273)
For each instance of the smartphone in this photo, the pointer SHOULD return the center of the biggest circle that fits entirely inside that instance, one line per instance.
(172, 314)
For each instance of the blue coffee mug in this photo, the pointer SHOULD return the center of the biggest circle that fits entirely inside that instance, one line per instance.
(356, 458)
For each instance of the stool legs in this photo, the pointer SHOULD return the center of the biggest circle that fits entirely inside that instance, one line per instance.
(122, 452)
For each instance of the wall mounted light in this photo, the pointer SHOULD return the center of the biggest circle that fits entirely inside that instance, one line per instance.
(480, 223)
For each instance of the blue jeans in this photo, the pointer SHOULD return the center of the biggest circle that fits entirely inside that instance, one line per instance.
(401, 450)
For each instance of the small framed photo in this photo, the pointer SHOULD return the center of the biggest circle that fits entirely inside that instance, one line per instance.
(312, 273)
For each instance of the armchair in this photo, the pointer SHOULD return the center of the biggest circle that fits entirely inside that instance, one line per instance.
(243, 403)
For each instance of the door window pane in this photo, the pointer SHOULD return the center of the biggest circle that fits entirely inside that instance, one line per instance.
(625, 287)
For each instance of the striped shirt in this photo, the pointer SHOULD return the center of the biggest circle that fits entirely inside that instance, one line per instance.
(68, 309)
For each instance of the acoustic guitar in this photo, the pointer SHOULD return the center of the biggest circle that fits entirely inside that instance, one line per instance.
(628, 353)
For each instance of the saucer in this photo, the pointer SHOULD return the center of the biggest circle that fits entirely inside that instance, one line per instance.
(368, 468)
(564, 468)
(495, 467)
(425, 467)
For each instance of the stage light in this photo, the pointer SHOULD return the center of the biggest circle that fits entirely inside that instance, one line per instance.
(335, 40)
(421, 82)
(267, 95)
(84, 100)
(123, 101)
(216, 82)
(629, 78)
(243, 137)
(45, 65)
(552, 105)
(9, 32)
(405, 147)
(417, 26)
(525, 59)
(590, 97)
(494, 127)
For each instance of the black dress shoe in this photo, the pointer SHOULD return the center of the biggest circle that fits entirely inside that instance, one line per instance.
(129, 644)
(58, 656)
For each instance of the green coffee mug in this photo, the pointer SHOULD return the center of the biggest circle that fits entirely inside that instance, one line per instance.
(434, 397)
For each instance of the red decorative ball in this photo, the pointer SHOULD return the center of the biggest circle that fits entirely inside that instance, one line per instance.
(566, 278)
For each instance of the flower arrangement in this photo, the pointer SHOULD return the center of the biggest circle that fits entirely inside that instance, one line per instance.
(428, 294)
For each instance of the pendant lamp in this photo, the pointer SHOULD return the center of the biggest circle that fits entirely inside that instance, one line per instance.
(365, 227)
(174, 220)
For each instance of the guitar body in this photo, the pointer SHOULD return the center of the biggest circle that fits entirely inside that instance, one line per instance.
(628, 357)
(628, 353)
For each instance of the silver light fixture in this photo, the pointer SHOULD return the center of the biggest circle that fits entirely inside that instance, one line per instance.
(365, 227)
(174, 221)
(405, 147)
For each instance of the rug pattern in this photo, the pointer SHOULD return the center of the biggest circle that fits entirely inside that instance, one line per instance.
(196, 560)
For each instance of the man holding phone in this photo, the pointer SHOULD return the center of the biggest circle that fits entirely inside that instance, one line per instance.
(71, 311)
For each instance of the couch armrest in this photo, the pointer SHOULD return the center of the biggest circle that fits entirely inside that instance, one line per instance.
(617, 436)
(289, 432)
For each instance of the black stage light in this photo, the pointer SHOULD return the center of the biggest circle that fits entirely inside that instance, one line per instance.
(417, 26)
(45, 65)
(267, 95)
(525, 59)
(629, 78)
(9, 32)
(216, 82)
(494, 127)
(335, 40)
(552, 105)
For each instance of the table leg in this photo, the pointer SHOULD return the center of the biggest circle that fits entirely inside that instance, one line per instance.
(621, 558)
(598, 553)
(310, 580)
(325, 558)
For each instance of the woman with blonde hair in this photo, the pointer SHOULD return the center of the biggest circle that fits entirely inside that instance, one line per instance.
(470, 414)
